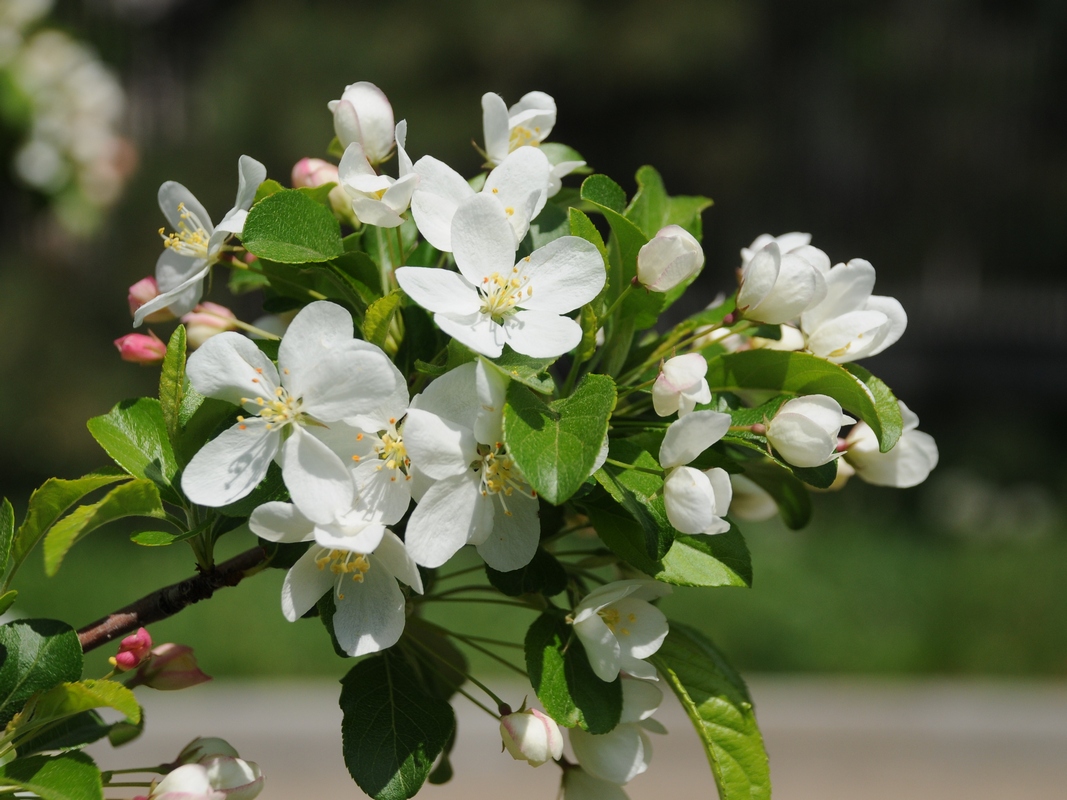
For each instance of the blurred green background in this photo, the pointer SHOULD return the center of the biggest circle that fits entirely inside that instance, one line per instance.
(927, 137)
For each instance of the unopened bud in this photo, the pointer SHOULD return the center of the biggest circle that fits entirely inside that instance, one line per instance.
(671, 257)
(170, 667)
(188, 782)
(531, 736)
(205, 321)
(133, 650)
(312, 172)
(235, 778)
(140, 293)
(137, 348)
(805, 430)
(203, 747)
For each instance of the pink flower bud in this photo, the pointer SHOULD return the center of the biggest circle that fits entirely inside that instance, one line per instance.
(205, 321)
(170, 667)
(140, 293)
(531, 736)
(312, 172)
(133, 650)
(138, 348)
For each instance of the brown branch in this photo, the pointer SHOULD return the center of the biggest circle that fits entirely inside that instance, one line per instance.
(169, 600)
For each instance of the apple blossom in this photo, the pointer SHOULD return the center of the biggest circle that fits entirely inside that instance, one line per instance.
(364, 115)
(670, 258)
(850, 323)
(695, 500)
(236, 778)
(140, 293)
(796, 243)
(203, 747)
(804, 431)
(619, 628)
(750, 500)
(187, 782)
(378, 199)
(323, 375)
(205, 321)
(531, 736)
(623, 753)
(777, 286)
(475, 494)
(195, 244)
(908, 464)
(680, 385)
(133, 651)
(138, 348)
(493, 301)
(519, 185)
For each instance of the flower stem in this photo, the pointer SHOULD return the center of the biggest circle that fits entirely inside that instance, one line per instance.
(618, 301)
(492, 695)
(624, 465)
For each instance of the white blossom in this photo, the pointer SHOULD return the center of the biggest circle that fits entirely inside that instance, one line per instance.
(750, 500)
(696, 501)
(493, 301)
(777, 285)
(323, 376)
(907, 464)
(195, 244)
(531, 736)
(236, 778)
(669, 258)
(580, 785)
(805, 430)
(378, 199)
(681, 385)
(850, 323)
(187, 782)
(519, 185)
(619, 628)
(364, 115)
(623, 753)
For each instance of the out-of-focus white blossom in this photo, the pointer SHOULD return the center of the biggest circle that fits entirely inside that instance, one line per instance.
(805, 430)
(751, 501)
(911, 460)
(622, 754)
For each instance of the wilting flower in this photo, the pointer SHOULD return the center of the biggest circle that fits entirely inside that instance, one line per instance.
(776, 286)
(680, 385)
(170, 667)
(140, 293)
(908, 464)
(805, 430)
(378, 199)
(493, 301)
(671, 257)
(519, 185)
(623, 753)
(850, 323)
(323, 375)
(478, 495)
(205, 321)
(695, 500)
(619, 628)
(364, 115)
(133, 650)
(137, 348)
(194, 244)
(531, 736)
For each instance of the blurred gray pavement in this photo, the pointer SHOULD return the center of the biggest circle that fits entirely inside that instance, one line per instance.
(828, 738)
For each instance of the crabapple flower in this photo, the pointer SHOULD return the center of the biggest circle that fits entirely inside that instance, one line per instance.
(796, 243)
(203, 747)
(477, 495)
(805, 430)
(133, 650)
(493, 301)
(140, 293)
(322, 376)
(623, 753)
(360, 561)
(850, 323)
(519, 185)
(170, 667)
(137, 348)
(695, 500)
(364, 115)
(777, 286)
(205, 321)
(908, 464)
(531, 736)
(236, 778)
(619, 628)
(680, 385)
(671, 257)
(750, 500)
(378, 199)
(187, 782)
(195, 244)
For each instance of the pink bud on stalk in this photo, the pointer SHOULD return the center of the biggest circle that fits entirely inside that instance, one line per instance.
(140, 293)
(531, 736)
(170, 667)
(137, 348)
(133, 650)
(312, 172)
(205, 321)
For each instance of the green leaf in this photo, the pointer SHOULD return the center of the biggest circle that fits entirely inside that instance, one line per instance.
(172, 383)
(37, 654)
(200, 418)
(566, 685)
(652, 209)
(803, 373)
(549, 225)
(794, 502)
(289, 227)
(71, 776)
(582, 226)
(393, 728)
(379, 316)
(885, 403)
(68, 699)
(381, 245)
(162, 538)
(529, 371)
(138, 498)
(7, 534)
(134, 433)
(267, 188)
(717, 702)
(48, 504)
(7, 599)
(603, 192)
(544, 575)
(821, 477)
(72, 733)
(640, 493)
(556, 446)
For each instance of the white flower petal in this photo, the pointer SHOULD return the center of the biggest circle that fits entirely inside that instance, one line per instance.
(691, 435)
(439, 290)
(848, 337)
(350, 534)
(482, 240)
(347, 381)
(318, 481)
(750, 500)
(541, 334)
(897, 321)
(640, 700)
(524, 173)
(370, 613)
(438, 446)
(641, 628)
(304, 584)
(374, 118)
(230, 367)
(381, 493)
(618, 756)
(453, 396)
(689, 499)
(230, 466)
(281, 522)
(447, 516)
(440, 192)
(798, 285)
(318, 328)
(848, 286)
(181, 283)
(171, 195)
(565, 274)
(476, 331)
(392, 553)
(722, 488)
(580, 785)
(516, 531)
(800, 440)
(492, 386)
(759, 276)
(495, 128)
(601, 647)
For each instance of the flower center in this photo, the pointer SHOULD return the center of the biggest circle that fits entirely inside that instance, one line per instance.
(191, 239)
(392, 452)
(612, 618)
(282, 410)
(342, 563)
(499, 475)
(501, 295)
(522, 136)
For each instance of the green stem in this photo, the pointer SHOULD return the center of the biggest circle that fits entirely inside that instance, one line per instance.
(458, 590)
(486, 600)
(637, 388)
(492, 695)
(479, 703)
(486, 651)
(618, 302)
(457, 573)
(624, 465)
